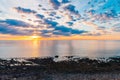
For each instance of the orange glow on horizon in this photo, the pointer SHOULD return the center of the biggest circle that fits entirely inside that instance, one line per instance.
(76, 37)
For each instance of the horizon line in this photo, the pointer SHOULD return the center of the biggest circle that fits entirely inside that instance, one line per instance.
(77, 37)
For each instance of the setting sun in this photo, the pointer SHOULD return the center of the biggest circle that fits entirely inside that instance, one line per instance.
(35, 37)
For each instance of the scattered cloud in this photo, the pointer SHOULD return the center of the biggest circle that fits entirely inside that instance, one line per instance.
(61, 17)
(5, 29)
(14, 27)
(116, 28)
(62, 30)
(49, 22)
(55, 3)
(65, 1)
(71, 8)
(24, 10)
(40, 16)
(14, 22)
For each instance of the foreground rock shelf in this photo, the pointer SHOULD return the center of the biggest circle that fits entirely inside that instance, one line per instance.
(50, 68)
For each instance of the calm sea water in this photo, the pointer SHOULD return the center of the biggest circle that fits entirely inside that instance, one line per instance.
(81, 48)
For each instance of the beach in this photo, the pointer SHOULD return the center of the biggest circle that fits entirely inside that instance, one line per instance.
(70, 69)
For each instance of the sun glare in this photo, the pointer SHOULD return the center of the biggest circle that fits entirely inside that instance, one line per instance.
(35, 37)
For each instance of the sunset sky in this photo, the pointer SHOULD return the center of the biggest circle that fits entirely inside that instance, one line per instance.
(66, 19)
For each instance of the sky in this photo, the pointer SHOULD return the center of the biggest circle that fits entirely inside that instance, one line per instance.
(86, 19)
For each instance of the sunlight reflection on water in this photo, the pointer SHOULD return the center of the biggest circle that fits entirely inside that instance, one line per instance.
(81, 48)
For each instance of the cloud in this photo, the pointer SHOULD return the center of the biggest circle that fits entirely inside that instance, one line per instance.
(92, 34)
(5, 29)
(63, 17)
(14, 27)
(52, 14)
(71, 8)
(49, 22)
(69, 23)
(46, 33)
(105, 10)
(55, 3)
(14, 22)
(71, 31)
(101, 28)
(61, 29)
(58, 17)
(24, 10)
(116, 28)
(91, 24)
(61, 33)
(40, 16)
(65, 1)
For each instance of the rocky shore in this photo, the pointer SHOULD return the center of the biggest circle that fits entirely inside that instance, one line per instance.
(50, 68)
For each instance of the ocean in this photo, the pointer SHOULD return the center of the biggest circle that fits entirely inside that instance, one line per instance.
(46, 48)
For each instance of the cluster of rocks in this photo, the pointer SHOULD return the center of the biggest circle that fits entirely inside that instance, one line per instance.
(70, 69)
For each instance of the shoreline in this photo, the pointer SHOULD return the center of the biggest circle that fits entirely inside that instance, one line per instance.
(49, 68)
